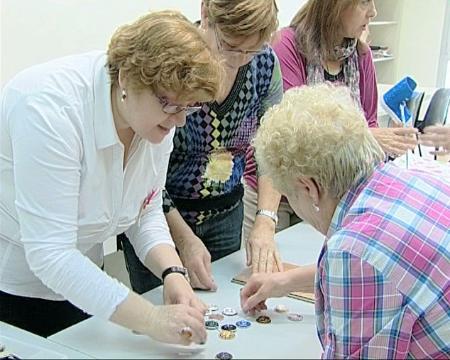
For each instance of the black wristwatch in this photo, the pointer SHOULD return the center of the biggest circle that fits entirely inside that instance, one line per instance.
(175, 269)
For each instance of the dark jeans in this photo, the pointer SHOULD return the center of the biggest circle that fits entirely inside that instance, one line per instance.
(39, 316)
(221, 236)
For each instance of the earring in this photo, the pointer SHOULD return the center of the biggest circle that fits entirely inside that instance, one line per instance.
(316, 207)
(124, 95)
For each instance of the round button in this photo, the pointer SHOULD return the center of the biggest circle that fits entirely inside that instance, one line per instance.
(295, 317)
(243, 324)
(263, 319)
(211, 325)
(229, 327)
(224, 356)
(229, 311)
(226, 335)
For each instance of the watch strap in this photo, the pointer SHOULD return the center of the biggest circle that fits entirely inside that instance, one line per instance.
(175, 269)
(273, 215)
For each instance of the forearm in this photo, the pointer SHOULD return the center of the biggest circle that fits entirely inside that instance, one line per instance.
(178, 227)
(268, 199)
(134, 313)
(162, 257)
(301, 279)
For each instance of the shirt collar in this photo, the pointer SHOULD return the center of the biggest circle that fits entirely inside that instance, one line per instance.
(104, 127)
(346, 203)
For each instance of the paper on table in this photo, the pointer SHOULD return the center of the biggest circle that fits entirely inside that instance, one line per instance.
(304, 296)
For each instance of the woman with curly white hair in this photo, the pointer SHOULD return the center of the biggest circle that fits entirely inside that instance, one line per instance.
(381, 282)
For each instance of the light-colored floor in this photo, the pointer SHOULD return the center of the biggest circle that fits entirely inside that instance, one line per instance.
(115, 267)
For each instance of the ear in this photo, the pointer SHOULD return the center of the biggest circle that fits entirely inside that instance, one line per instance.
(204, 16)
(309, 187)
(122, 81)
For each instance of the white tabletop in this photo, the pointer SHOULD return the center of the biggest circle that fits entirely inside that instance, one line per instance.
(26, 345)
(282, 338)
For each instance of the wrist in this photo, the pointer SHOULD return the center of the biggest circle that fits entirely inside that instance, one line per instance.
(174, 272)
(267, 215)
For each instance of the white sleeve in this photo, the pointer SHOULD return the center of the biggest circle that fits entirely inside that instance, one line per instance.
(152, 229)
(47, 153)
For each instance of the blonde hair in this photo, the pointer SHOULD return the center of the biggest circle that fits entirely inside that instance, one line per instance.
(318, 27)
(240, 18)
(316, 132)
(164, 51)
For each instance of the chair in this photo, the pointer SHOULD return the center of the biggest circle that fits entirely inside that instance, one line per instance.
(437, 111)
(414, 105)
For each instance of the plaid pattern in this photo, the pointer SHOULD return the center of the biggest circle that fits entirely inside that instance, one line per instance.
(221, 128)
(382, 286)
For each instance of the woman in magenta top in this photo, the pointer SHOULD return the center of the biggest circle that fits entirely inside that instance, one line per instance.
(308, 55)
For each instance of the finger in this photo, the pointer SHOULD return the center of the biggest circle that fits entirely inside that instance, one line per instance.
(278, 261)
(198, 304)
(254, 300)
(440, 152)
(198, 330)
(203, 276)
(405, 131)
(248, 252)
(270, 262)
(263, 260)
(207, 263)
(255, 260)
(195, 282)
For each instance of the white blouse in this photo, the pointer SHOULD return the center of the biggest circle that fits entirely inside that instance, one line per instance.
(63, 189)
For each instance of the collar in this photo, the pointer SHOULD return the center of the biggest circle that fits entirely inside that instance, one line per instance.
(104, 128)
(347, 201)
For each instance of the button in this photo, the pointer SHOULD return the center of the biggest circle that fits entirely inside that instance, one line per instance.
(229, 311)
(211, 325)
(243, 324)
(295, 317)
(229, 327)
(218, 317)
(224, 356)
(227, 335)
(263, 319)
(280, 308)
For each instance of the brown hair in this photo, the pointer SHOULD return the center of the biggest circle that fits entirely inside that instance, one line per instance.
(236, 18)
(164, 51)
(318, 27)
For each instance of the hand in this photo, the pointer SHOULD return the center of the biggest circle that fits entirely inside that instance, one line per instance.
(437, 136)
(396, 141)
(196, 258)
(167, 321)
(262, 252)
(260, 287)
(177, 290)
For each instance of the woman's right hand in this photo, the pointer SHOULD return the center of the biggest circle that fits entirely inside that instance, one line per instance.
(396, 141)
(166, 324)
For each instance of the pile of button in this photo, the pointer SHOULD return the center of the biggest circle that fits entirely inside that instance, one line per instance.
(228, 331)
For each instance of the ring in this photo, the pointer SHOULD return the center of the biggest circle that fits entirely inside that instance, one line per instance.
(186, 333)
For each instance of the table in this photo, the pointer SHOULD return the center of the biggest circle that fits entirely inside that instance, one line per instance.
(282, 338)
(30, 346)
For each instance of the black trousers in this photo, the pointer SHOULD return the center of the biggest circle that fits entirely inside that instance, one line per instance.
(39, 316)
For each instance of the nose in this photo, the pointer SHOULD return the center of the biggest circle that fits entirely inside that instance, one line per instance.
(372, 12)
(179, 119)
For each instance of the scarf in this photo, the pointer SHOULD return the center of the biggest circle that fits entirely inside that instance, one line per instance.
(348, 54)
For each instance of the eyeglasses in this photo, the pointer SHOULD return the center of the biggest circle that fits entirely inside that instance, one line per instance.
(175, 109)
(236, 52)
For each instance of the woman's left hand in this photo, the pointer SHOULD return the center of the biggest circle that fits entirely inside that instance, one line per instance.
(177, 290)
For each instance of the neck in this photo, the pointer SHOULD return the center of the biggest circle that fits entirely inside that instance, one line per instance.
(122, 127)
(327, 206)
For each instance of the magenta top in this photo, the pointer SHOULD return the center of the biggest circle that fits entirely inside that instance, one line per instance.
(293, 70)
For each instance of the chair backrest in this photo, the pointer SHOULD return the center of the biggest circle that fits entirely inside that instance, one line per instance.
(414, 104)
(437, 110)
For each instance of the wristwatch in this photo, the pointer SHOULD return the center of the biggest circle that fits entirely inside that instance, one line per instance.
(271, 214)
(176, 269)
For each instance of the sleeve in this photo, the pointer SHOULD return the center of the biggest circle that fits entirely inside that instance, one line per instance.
(291, 64)
(363, 313)
(369, 90)
(151, 229)
(47, 152)
(275, 92)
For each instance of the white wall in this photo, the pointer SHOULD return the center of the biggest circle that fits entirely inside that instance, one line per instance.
(34, 31)
(421, 31)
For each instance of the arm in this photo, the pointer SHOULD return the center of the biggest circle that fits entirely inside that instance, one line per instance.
(193, 252)
(261, 249)
(354, 318)
(48, 151)
(437, 136)
(261, 287)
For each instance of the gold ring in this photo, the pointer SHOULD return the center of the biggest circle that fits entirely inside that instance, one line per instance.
(186, 333)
